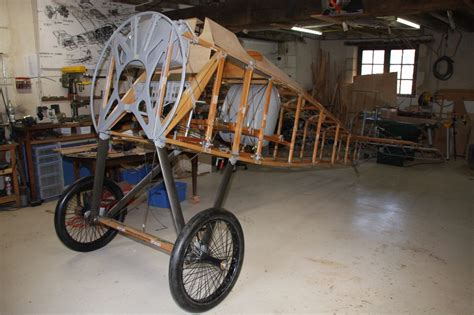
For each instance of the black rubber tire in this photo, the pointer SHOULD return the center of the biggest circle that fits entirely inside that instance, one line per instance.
(184, 247)
(105, 234)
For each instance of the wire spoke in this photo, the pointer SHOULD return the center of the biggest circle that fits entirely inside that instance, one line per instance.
(203, 278)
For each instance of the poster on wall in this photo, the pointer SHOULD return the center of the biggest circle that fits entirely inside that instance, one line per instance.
(74, 32)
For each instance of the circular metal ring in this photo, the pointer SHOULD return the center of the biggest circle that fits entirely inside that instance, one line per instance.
(141, 54)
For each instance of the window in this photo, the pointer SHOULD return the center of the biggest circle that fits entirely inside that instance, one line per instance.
(372, 61)
(400, 60)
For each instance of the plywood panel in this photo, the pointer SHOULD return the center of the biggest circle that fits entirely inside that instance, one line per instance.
(370, 91)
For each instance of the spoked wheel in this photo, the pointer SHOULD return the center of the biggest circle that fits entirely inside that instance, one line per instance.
(71, 219)
(206, 260)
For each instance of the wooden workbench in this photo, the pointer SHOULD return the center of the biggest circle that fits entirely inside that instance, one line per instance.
(26, 136)
(83, 155)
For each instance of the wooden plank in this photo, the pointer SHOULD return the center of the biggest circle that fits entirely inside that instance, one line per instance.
(78, 149)
(64, 138)
(371, 91)
(129, 137)
(137, 234)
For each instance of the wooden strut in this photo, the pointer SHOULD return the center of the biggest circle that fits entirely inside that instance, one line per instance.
(295, 128)
(242, 110)
(334, 147)
(268, 95)
(280, 126)
(215, 96)
(316, 141)
(161, 244)
(346, 153)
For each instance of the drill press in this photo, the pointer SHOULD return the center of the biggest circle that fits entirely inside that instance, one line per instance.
(73, 79)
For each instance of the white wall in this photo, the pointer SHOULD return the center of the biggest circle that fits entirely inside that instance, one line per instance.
(19, 42)
(462, 78)
(295, 57)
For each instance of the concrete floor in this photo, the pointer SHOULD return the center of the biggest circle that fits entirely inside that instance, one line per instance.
(390, 240)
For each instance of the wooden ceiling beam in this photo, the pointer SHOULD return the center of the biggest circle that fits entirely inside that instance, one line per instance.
(246, 14)
(408, 7)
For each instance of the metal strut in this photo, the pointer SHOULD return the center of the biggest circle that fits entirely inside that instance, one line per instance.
(224, 185)
(102, 150)
(168, 178)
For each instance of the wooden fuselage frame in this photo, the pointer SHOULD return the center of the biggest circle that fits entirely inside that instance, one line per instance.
(317, 136)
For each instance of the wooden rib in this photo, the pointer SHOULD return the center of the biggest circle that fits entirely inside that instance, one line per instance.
(137, 234)
(336, 141)
(280, 123)
(129, 137)
(318, 132)
(263, 124)
(346, 154)
(215, 97)
(295, 128)
(242, 110)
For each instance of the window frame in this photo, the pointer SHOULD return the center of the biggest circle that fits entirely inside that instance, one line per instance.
(386, 65)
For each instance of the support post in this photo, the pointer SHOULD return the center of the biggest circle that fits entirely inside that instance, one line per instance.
(176, 211)
(99, 174)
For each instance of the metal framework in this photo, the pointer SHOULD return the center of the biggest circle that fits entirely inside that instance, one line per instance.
(172, 78)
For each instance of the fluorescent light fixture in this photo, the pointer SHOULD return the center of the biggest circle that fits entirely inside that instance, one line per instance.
(409, 23)
(306, 30)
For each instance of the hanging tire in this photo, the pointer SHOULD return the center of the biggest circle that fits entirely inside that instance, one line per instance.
(206, 260)
(70, 219)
